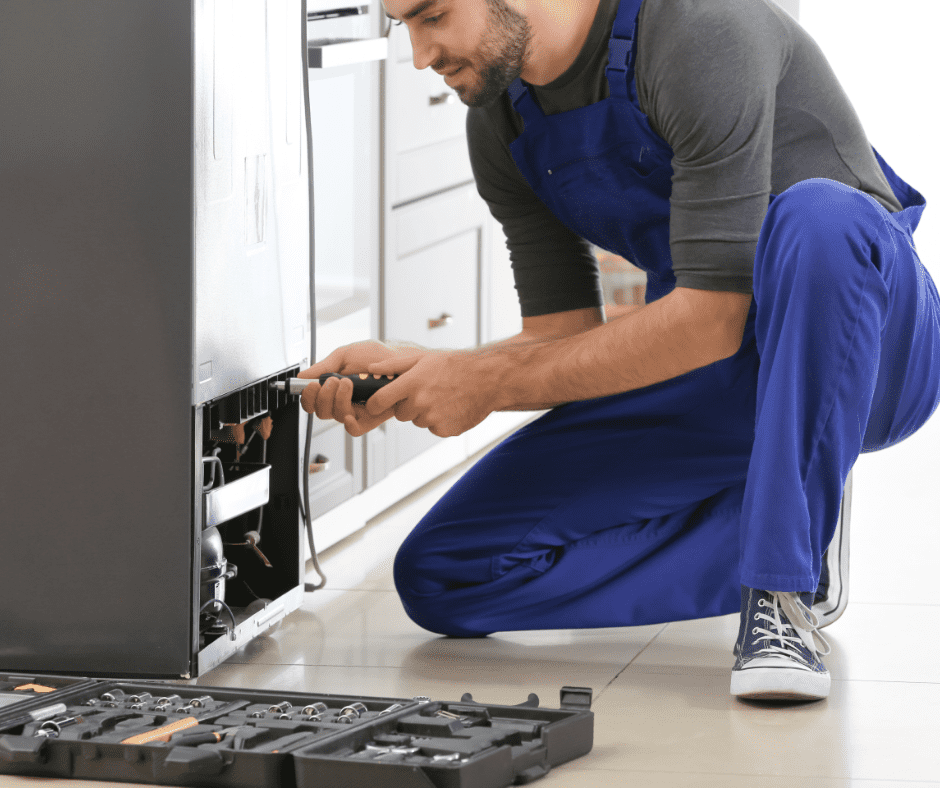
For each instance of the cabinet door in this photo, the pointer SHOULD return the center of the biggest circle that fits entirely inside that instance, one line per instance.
(431, 286)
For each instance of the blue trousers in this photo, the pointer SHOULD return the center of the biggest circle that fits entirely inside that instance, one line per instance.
(657, 504)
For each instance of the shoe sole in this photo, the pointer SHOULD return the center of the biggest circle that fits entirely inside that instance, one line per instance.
(779, 684)
(837, 562)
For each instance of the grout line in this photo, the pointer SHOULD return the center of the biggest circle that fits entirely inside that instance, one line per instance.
(606, 686)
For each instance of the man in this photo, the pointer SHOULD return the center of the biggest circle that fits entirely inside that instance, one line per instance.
(695, 455)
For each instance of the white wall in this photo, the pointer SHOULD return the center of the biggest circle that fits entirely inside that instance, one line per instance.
(792, 7)
(887, 57)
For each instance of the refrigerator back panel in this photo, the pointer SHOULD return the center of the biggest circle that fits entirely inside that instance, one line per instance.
(251, 222)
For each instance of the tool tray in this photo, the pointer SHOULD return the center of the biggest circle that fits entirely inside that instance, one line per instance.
(282, 739)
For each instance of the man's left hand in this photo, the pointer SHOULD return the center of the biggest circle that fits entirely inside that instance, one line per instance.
(445, 391)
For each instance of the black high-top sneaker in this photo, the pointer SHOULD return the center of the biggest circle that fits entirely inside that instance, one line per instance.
(778, 648)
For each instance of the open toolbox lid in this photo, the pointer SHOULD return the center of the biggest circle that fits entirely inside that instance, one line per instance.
(173, 734)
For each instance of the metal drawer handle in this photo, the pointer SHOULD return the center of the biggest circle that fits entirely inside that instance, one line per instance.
(320, 463)
(443, 320)
(330, 53)
(444, 98)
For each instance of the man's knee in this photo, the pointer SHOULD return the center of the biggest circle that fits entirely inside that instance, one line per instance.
(814, 231)
(425, 598)
(821, 208)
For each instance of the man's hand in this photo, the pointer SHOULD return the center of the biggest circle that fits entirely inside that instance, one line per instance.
(445, 391)
(333, 400)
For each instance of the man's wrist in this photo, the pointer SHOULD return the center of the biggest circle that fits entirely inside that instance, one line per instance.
(511, 373)
(493, 371)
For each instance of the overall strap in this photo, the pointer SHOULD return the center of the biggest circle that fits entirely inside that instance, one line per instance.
(524, 103)
(622, 50)
(619, 71)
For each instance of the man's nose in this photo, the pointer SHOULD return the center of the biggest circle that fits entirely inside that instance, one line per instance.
(425, 53)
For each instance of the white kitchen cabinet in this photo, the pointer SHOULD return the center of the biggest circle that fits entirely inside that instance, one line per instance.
(444, 282)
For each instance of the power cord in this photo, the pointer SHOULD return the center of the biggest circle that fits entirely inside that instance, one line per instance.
(313, 334)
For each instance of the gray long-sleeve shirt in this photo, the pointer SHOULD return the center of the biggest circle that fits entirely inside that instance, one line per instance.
(747, 102)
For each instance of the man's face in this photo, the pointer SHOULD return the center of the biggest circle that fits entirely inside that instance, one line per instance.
(480, 46)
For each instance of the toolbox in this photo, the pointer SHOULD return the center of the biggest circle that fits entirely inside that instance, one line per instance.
(180, 734)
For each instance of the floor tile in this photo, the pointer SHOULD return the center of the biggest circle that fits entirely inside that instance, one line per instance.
(869, 643)
(370, 628)
(568, 776)
(864, 730)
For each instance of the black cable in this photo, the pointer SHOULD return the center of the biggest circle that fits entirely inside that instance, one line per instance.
(227, 608)
(313, 334)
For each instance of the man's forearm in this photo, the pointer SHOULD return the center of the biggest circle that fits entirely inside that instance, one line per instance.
(670, 337)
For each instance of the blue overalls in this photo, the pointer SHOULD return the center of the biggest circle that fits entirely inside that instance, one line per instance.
(657, 504)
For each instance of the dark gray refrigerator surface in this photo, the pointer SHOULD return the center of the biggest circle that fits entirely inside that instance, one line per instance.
(154, 261)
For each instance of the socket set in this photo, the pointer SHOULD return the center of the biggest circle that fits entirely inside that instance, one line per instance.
(179, 734)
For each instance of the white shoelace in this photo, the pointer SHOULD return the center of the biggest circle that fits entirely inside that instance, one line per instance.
(799, 619)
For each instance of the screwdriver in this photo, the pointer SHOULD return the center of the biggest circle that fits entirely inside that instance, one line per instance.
(364, 384)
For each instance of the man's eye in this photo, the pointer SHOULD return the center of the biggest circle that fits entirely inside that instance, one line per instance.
(433, 20)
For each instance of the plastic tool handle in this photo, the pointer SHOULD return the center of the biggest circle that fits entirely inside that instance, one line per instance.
(33, 688)
(364, 385)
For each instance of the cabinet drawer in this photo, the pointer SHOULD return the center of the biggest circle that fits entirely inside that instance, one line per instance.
(432, 279)
(423, 110)
(436, 219)
(431, 309)
(431, 169)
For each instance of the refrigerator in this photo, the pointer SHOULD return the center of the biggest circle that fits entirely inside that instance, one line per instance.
(155, 271)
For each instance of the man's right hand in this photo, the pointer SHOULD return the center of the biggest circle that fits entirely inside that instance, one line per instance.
(333, 400)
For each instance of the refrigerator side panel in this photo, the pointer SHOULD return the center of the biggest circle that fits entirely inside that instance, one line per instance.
(96, 315)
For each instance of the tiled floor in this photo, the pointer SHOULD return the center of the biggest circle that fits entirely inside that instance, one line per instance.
(663, 713)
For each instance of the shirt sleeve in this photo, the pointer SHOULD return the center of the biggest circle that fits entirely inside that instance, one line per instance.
(707, 81)
(554, 269)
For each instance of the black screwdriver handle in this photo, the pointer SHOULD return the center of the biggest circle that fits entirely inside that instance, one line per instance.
(364, 385)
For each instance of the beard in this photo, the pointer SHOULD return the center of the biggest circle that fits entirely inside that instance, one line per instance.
(501, 56)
